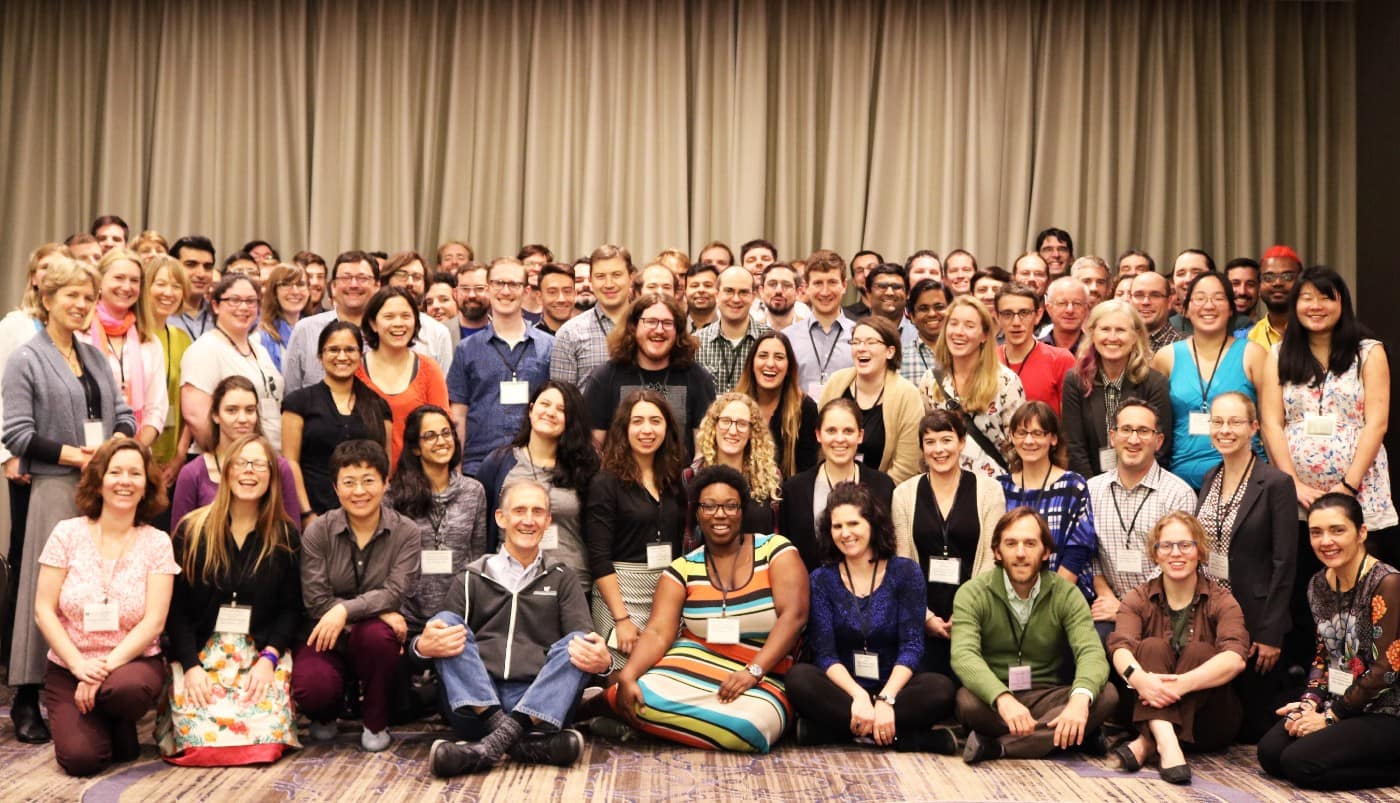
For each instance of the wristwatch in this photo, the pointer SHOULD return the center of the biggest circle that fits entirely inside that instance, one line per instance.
(885, 698)
(1128, 673)
(756, 671)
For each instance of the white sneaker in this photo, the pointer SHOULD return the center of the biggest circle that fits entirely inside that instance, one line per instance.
(374, 742)
(324, 731)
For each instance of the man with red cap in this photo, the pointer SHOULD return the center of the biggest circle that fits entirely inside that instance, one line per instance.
(1278, 272)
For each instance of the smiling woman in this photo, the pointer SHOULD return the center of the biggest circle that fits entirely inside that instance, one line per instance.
(123, 331)
(890, 405)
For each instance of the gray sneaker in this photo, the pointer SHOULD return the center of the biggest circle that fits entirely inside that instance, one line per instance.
(324, 731)
(559, 749)
(448, 759)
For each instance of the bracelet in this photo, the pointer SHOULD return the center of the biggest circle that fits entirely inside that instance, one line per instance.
(619, 620)
(1354, 490)
(270, 656)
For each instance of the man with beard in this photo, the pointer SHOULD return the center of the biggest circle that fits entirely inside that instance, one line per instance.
(779, 294)
(1151, 296)
(822, 344)
(1041, 367)
(473, 299)
(1068, 303)
(196, 254)
(354, 279)
(583, 288)
(1030, 269)
(724, 344)
(861, 264)
(700, 284)
(556, 289)
(1243, 274)
(1278, 272)
(1092, 272)
(582, 344)
(1057, 249)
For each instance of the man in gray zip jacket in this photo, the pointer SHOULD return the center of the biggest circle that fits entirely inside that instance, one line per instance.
(513, 648)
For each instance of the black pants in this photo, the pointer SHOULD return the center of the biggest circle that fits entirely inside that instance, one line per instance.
(1361, 752)
(19, 514)
(1300, 643)
(925, 700)
(1261, 696)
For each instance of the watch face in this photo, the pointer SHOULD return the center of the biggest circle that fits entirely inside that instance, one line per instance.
(755, 670)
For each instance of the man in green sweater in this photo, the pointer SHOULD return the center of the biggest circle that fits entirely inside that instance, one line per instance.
(1012, 626)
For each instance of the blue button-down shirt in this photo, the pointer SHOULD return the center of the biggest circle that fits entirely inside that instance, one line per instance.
(820, 352)
(479, 366)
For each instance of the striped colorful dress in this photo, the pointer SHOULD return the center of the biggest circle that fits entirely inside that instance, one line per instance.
(681, 691)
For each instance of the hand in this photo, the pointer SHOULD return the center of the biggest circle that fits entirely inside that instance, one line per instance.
(1265, 657)
(1306, 493)
(629, 701)
(75, 456)
(627, 635)
(1017, 717)
(590, 654)
(440, 640)
(171, 473)
(91, 670)
(938, 626)
(12, 472)
(1069, 725)
(738, 682)
(1152, 690)
(328, 629)
(1304, 724)
(862, 716)
(1105, 608)
(396, 623)
(85, 696)
(1340, 489)
(884, 723)
(197, 686)
(259, 679)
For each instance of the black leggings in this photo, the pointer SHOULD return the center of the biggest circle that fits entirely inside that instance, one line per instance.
(925, 700)
(1360, 752)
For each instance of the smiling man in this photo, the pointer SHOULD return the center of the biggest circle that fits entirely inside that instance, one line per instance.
(701, 286)
(725, 343)
(353, 281)
(1067, 301)
(1030, 269)
(888, 291)
(1278, 272)
(581, 345)
(822, 344)
(928, 308)
(1041, 367)
(1056, 247)
(196, 255)
(779, 295)
(557, 294)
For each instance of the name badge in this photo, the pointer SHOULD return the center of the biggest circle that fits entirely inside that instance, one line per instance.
(550, 539)
(436, 561)
(1320, 426)
(944, 570)
(93, 433)
(1338, 680)
(1219, 566)
(515, 392)
(234, 619)
(1018, 678)
(658, 556)
(867, 665)
(724, 630)
(547, 591)
(1108, 460)
(1128, 560)
(100, 617)
(1199, 424)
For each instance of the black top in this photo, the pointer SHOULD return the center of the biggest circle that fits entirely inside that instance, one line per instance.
(323, 428)
(92, 395)
(872, 446)
(806, 454)
(953, 536)
(797, 514)
(273, 591)
(622, 518)
(690, 390)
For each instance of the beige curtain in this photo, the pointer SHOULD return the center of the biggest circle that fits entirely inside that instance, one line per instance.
(844, 124)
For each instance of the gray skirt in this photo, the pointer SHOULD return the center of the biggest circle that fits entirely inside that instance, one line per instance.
(638, 586)
(52, 499)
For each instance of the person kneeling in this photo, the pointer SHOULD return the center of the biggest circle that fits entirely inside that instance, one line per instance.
(1011, 628)
(519, 655)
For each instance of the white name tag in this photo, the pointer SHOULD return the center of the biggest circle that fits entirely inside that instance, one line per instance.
(1338, 680)
(93, 433)
(1108, 460)
(436, 561)
(867, 665)
(1018, 678)
(550, 539)
(1199, 424)
(658, 556)
(724, 630)
(1319, 426)
(100, 617)
(1219, 566)
(944, 570)
(234, 619)
(515, 392)
(1127, 560)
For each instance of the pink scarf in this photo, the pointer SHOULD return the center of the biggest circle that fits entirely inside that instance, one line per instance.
(130, 367)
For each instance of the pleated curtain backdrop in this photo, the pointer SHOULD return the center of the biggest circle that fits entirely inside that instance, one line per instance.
(892, 125)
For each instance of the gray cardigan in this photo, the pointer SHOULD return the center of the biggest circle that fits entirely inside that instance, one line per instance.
(45, 406)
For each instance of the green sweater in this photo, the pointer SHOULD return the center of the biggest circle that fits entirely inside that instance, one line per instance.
(984, 646)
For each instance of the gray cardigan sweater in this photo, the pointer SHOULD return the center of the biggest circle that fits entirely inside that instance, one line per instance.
(45, 407)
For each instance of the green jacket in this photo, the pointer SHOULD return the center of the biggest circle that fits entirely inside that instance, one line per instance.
(984, 646)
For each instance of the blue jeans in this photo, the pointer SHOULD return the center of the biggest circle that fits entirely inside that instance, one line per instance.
(466, 684)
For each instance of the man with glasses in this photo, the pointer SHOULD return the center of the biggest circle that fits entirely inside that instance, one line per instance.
(1067, 301)
(725, 343)
(1041, 367)
(888, 290)
(1151, 297)
(581, 345)
(779, 295)
(494, 373)
(196, 255)
(1278, 272)
(822, 344)
(407, 269)
(353, 281)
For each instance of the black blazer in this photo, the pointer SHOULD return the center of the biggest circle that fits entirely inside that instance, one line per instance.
(1086, 430)
(1263, 551)
(797, 518)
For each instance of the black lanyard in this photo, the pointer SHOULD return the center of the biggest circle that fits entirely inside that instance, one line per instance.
(1022, 364)
(938, 517)
(855, 602)
(1200, 378)
(437, 514)
(1132, 525)
(822, 365)
(511, 366)
(732, 355)
(1039, 495)
(1021, 639)
(733, 585)
(1223, 505)
(1344, 631)
(269, 388)
(237, 580)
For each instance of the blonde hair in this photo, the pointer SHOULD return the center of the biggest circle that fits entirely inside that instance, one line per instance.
(1139, 356)
(282, 273)
(150, 236)
(141, 310)
(760, 464)
(177, 275)
(65, 272)
(209, 525)
(30, 303)
(983, 385)
(1191, 523)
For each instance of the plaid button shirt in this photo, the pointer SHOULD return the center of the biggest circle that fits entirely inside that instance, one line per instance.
(1123, 517)
(723, 360)
(580, 346)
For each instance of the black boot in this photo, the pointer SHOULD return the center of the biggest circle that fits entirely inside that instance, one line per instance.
(24, 712)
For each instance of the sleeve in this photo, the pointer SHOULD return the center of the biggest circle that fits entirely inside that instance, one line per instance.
(490, 475)
(157, 404)
(805, 453)
(966, 650)
(563, 363)
(123, 419)
(908, 455)
(600, 397)
(18, 392)
(1012, 396)
(912, 606)
(58, 549)
(179, 626)
(574, 616)
(290, 502)
(293, 372)
(1128, 626)
(1385, 650)
(902, 514)
(1231, 634)
(1090, 662)
(316, 594)
(186, 496)
(457, 382)
(599, 524)
(434, 385)
(1072, 405)
(200, 370)
(283, 633)
(821, 622)
(476, 521)
(456, 599)
(701, 395)
(1157, 391)
(991, 506)
(295, 402)
(1283, 523)
(1081, 539)
(403, 575)
(158, 554)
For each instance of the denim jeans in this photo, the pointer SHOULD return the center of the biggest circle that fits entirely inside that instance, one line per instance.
(466, 684)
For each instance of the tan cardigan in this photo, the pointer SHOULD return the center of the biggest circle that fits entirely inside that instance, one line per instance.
(904, 408)
(991, 504)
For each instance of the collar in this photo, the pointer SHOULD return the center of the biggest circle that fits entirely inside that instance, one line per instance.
(1011, 590)
(1149, 480)
(339, 522)
(537, 563)
(841, 324)
(1157, 591)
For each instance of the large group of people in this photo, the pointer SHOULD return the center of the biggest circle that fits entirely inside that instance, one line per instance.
(924, 506)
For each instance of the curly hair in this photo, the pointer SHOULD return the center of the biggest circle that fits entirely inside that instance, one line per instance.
(622, 343)
(89, 495)
(760, 466)
(874, 513)
(617, 448)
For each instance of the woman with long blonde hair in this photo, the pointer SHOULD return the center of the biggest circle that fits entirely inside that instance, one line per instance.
(731, 434)
(123, 329)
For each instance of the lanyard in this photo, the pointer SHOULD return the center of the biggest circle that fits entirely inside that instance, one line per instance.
(511, 366)
(168, 338)
(1021, 639)
(1200, 378)
(270, 388)
(1039, 495)
(1345, 631)
(1021, 366)
(732, 355)
(938, 517)
(822, 365)
(733, 584)
(437, 514)
(660, 509)
(1132, 525)
(855, 601)
(1232, 503)
(236, 581)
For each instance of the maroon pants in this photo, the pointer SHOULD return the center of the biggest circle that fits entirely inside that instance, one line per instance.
(369, 656)
(85, 744)
(1205, 720)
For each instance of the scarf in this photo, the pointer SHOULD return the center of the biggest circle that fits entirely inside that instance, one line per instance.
(106, 322)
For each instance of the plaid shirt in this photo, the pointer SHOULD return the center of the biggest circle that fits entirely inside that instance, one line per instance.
(918, 358)
(580, 346)
(1164, 337)
(724, 361)
(1122, 518)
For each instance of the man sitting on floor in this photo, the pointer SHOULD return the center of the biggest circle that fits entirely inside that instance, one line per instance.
(513, 649)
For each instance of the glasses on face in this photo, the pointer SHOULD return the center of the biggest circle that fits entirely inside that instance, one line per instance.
(243, 464)
(1168, 547)
(664, 324)
(1015, 314)
(1229, 423)
(409, 275)
(301, 285)
(1278, 278)
(339, 351)
(1126, 431)
(239, 301)
(1072, 304)
(434, 437)
(888, 287)
(351, 484)
(1208, 301)
(1030, 434)
(1143, 296)
(470, 289)
(505, 284)
(737, 424)
(710, 508)
(355, 278)
(871, 342)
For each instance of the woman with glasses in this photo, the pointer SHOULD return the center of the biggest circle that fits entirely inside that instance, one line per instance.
(339, 408)
(284, 299)
(235, 413)
(229, 349)
(1113, 365)
(890, 405)
(1039, 480)
(234, 619)
(1179, 640)
(730, 436)
(771, 378)
(404, 379)
(123, 329)
(1248, 509)
(1210, 362)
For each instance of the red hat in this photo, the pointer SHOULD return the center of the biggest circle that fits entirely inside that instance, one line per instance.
(1281, 252)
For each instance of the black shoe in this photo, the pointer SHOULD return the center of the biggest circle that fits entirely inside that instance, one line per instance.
(449, 759)
(1179, 775)
(980, 748)
(559, 749)
(809, 733)
(1127, 759)
(1096, 743)
(29, 725)
(937, 740)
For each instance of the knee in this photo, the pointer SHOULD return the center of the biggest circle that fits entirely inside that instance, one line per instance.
(562, 645)
(967, 706)
(1271, 748)
(449, 618)
(1155, 654)
(374, 636)
(81, 760)
(316, 685)
(131, 691)
(1195, 654)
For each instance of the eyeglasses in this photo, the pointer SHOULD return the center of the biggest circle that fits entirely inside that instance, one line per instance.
(737, 424)
(1030, 434)
(404, 274)
(433, 437)
(1278, 278)
(1168, 547)
(664, 324)
(301, 284)
(711, 508)
(239, 301)
(243, 464)
(338, 351)
(730, 292)
(1141, 432)
(352, 484)
(1070, 304)
(478, 289)
(503, 284)
(872, 342)
(356, 278)
(1015, 314)
(1208, 301)
(888, 287)
(1229, 423)
(1145, 295)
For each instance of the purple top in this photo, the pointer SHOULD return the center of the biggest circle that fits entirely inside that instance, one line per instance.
(194, 489)
(893, 620)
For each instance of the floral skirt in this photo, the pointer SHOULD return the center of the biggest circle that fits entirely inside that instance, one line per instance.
(229, 731)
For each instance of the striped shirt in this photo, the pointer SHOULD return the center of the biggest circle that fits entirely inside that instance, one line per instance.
(1122, 518)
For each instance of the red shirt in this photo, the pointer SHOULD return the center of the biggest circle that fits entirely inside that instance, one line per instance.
(1042, 372)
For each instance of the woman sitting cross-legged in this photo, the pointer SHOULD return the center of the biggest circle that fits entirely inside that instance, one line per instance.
(1178, 642)
(233, 621)
(866, 631)
(739, 602)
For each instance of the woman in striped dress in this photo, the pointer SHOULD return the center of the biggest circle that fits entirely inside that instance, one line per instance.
(740, 602)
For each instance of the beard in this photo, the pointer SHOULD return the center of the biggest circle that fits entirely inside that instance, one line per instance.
(584, 304)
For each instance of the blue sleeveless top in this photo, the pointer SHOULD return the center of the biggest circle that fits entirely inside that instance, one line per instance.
(1193, 455)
